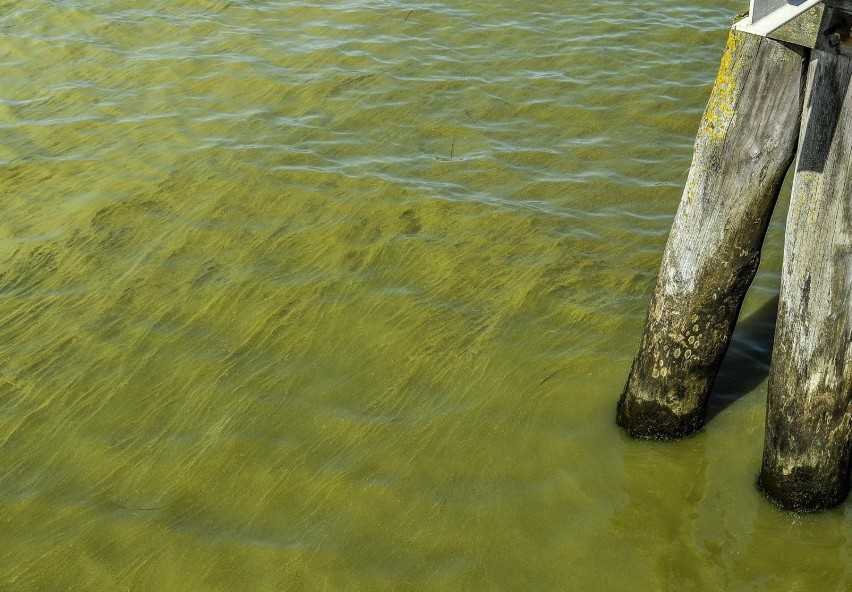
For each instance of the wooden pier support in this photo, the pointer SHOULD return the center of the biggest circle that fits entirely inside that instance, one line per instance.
(806, 457)
(745, 144)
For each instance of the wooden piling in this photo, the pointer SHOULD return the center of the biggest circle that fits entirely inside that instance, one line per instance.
(806, 458)
(745, 144)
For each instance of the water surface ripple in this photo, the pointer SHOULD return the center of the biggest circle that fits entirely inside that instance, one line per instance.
(340, 295)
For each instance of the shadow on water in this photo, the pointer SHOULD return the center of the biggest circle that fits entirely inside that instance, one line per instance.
(746, 364)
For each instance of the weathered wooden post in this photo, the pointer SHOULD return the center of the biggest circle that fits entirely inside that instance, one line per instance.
(745, 144)
(809, 419)
(712, 253)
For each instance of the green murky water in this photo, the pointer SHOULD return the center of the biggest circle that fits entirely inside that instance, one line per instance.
(340, 295)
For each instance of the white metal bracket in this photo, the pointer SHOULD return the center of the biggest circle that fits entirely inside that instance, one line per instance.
(765, 16)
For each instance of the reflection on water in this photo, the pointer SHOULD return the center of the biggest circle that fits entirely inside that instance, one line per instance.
(340, 296)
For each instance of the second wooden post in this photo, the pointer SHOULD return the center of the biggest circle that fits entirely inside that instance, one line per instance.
(806, 458)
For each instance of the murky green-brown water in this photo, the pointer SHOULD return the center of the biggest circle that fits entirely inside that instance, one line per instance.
(340, 295)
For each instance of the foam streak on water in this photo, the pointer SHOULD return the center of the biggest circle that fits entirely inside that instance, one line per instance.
(340, 295)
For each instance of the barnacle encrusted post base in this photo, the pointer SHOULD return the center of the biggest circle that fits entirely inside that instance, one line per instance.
(744, 147)
(806, 457)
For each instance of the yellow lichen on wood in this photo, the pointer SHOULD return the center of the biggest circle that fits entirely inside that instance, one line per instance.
(691, 187)
(721, 108)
